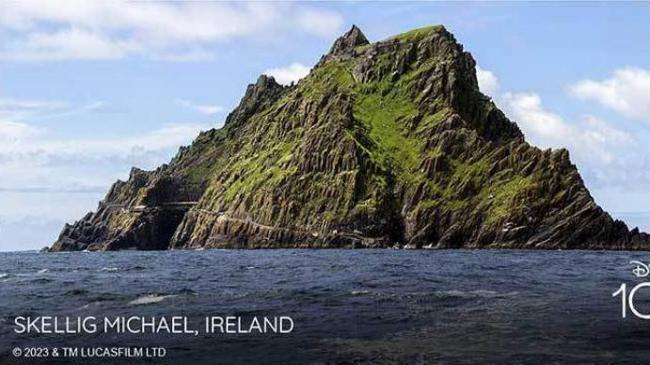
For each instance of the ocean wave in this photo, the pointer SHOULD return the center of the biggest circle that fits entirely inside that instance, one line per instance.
(136, 268)
(105, 297)
(42, 271)
(94, 303)
(75, 292)
(122, 269)
(3, 275)
(187, 291)
(474, 294)
(150, 299)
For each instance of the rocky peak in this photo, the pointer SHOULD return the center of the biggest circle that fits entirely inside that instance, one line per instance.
(265, 82)
(262, 93)
(348, 41)
(138, 177)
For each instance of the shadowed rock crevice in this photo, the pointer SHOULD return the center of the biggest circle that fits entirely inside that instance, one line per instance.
(382, 144)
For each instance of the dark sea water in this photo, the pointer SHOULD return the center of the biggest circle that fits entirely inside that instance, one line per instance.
(348, 306)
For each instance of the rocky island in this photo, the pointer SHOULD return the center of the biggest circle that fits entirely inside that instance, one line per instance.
(383, 144)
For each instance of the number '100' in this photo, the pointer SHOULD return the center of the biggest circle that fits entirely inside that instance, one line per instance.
(630, 299)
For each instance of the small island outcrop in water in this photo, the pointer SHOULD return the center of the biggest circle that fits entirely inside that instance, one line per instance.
(382, 144)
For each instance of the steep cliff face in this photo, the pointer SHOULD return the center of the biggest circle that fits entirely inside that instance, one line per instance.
(382, 144)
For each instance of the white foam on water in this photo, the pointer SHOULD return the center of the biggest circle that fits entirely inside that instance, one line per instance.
(150, 299)
(359, 292)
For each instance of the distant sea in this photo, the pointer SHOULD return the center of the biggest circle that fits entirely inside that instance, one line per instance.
(348, 306)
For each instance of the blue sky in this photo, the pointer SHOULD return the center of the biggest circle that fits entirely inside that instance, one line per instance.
(89, 89)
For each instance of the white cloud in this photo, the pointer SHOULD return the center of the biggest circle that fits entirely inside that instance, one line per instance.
(203, 109)
(487, 82)
(319, 22)
(591, 141)
(587, 137)
(44, 174)
(67, 44)
(43, 162)
(62, 179)
(92, 106)
(288, 74)
(167, 136)
(542, 127)
(191, 55)
(14, 132)
(31, 157)
(18, 110)
(627, 92)
(76, 29)
(11, 104)
(607, 157)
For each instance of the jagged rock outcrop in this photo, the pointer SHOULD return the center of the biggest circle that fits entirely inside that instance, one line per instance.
(382, 144)
(346, 44)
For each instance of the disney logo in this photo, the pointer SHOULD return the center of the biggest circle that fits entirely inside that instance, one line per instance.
(641, 270)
